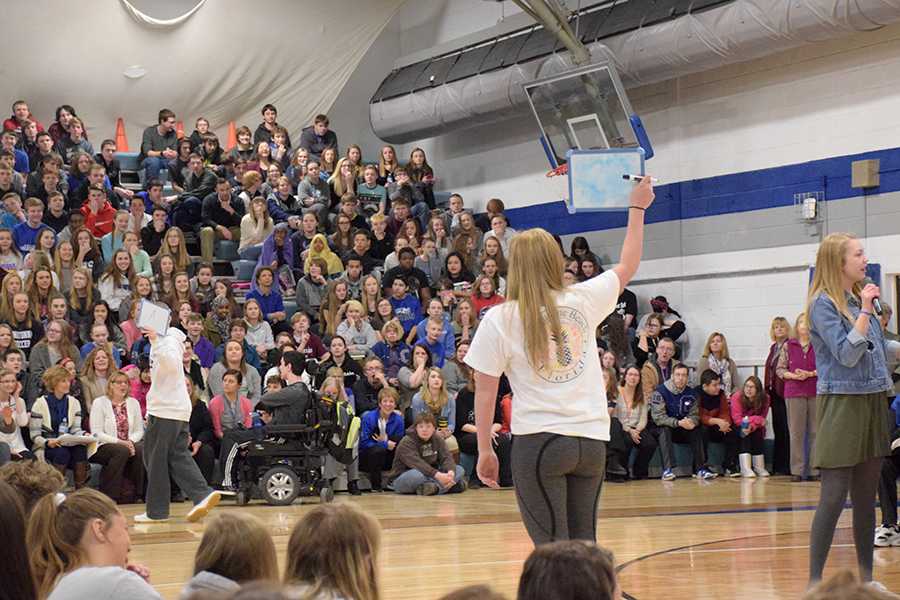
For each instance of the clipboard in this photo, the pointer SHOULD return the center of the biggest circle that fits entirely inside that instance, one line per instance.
(153, 316)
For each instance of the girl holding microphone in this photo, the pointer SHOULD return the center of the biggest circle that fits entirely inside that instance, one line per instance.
(853, 423)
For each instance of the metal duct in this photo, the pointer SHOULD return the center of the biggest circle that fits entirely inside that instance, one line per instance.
(739, 31)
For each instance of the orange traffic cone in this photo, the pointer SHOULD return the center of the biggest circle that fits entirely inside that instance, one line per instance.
(232, 136)
(179, 129)
(121, 138)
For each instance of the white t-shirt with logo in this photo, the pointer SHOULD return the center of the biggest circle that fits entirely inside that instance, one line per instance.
(566, 396)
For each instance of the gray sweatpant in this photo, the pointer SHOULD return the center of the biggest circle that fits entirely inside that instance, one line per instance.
(558, 480)
(166, 454)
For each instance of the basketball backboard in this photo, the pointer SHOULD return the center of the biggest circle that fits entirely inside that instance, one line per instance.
(585, 109)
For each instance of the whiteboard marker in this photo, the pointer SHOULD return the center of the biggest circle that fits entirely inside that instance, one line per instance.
(629, 177)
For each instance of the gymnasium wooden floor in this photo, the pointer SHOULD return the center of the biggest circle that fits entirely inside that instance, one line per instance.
(676, 540)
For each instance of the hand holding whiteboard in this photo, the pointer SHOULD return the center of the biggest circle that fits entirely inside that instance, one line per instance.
(153, 316)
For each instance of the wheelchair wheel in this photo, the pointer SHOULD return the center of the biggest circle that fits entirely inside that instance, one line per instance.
(326, 494)
(279, 486)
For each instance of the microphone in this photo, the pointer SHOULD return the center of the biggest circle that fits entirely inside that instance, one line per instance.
(876, 303)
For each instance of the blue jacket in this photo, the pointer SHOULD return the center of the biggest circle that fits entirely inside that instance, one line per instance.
(846, 362)
(668, 407)
(393, 357)
(369, 428)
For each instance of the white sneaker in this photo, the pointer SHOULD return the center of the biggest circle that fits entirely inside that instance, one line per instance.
(877, 585)
(202, 508)
(887, 536)
(143, 518)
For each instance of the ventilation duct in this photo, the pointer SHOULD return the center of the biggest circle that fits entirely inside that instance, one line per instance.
(437, 96)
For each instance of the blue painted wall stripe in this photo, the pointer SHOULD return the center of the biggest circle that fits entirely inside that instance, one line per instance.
(724, 194)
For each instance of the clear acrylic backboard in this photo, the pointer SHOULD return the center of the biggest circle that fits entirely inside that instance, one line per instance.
(584, 109)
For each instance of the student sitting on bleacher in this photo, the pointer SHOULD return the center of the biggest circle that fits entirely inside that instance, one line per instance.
(676, 413)
(158, 145)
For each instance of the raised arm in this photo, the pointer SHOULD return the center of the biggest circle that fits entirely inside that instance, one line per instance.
(630, 257)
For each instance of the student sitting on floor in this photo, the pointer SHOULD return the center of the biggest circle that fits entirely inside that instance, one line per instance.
(423, 464)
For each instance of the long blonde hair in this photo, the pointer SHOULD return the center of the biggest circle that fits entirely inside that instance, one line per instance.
(181, 258)
(829, 269)
(434, 403)
(535, 277)
(55, 532)
(706, 352)
(334, 549)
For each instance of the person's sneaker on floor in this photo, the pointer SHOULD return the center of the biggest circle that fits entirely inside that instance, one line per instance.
(353, 488)
(877, 585)
(144, 518)
(887, 536)
(705, 474)
(732, 472)
(668, 475)
(427, 489)
(202, 508)
(460, 486)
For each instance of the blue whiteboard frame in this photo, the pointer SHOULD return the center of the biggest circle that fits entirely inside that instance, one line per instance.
(570, 203)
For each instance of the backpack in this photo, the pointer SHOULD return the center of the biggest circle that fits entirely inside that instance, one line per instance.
(342, 443)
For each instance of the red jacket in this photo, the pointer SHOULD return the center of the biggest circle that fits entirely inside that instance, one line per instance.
(101, 223)
(12, 124)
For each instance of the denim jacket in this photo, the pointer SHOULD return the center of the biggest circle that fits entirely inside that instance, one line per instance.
(846, 362)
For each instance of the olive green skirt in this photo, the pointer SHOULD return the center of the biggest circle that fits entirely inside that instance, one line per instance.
(851, 429)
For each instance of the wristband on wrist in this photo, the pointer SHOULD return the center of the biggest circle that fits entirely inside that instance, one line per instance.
(637, 207)
(866, 312)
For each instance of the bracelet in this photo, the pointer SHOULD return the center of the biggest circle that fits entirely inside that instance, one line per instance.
(637, 207)
(865, 312)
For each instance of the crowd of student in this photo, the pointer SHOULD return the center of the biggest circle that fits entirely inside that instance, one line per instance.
(77, 546)
(388, 286)
(389, 289)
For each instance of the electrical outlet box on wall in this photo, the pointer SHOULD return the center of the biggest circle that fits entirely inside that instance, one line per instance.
(864, 173)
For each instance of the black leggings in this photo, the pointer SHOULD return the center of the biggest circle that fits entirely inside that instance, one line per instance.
(558, 480)
(860, 480)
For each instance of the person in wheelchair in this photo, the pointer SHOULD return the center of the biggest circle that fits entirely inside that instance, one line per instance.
(287, 406)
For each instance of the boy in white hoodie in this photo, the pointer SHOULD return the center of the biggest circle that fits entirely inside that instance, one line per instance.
(166, 451)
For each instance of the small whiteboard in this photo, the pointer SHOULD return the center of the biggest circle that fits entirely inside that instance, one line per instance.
(153, 316)
(595, 178)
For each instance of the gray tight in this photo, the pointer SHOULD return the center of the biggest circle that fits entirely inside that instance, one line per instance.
(558, 480)
(861, 481)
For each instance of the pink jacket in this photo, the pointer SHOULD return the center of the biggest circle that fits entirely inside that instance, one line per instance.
(757, 417)
(139, 389)
(217, 407)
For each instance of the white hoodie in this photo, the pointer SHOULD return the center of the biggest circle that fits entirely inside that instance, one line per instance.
(168, 397)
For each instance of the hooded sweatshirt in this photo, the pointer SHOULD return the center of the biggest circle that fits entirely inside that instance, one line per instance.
(427, 457)
(208, 583)
(168, 397)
